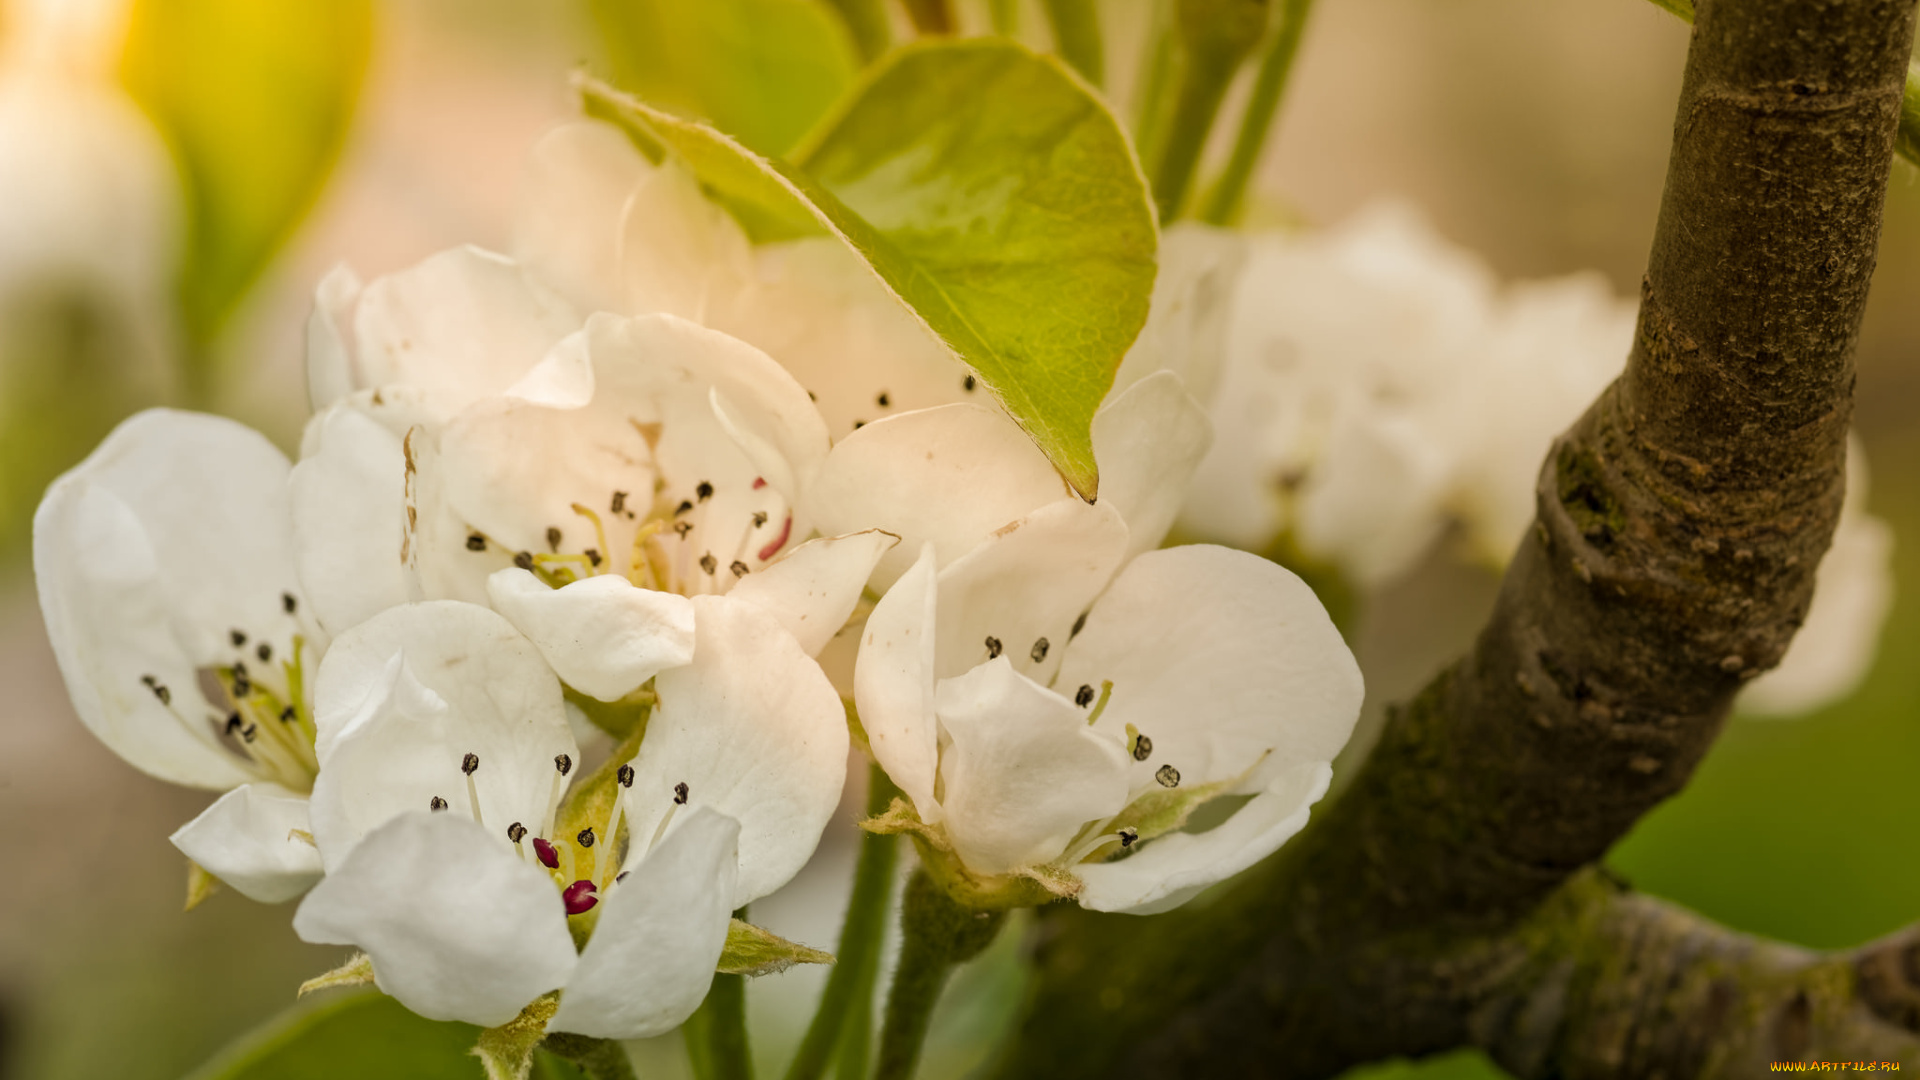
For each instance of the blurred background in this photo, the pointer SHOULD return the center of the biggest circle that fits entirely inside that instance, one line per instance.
(1534, 134)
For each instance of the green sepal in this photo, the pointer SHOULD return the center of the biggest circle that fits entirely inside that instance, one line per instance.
(506, 1052)
(357, 971)
(1029, 886)
(622, 719)
(754, 951)
(201, 884)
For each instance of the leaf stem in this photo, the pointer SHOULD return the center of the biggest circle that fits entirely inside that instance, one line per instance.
(867, 19)
(1215, 36)
(1269, 87)
(716, 1033)
(1076, 36)
(1150, 99)
(1005, 16)
(937, 934)
(842, 1001)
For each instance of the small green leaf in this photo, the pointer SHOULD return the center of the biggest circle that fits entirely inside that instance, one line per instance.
(255, 100)
(753, 951)
(367, 1036)
(763, 71)
(1017, 228)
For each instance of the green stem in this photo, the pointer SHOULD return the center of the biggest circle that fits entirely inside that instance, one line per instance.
(716, 1033)
(1150, 98)
(1005, 15)
(1223, 205)
(937, 934)
(856, 1035)
(842, 1002)
(600, 1059)
(1076, 36)
(867, 19)
(930, 16)
(1215, 35)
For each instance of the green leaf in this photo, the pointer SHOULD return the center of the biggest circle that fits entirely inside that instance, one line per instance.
(254, 100)
(1017, 228)
(753, 951)
(367, 1036)
(763, 71)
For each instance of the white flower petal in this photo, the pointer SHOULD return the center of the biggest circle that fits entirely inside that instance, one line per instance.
(1173, 869)
(330, 369)
(579, 178)
(893, 683)
(756, 732)
(814, 588)
(1024, 772)
(603, 636)
(245, 839)
(170, 536)
(1192, 303)
(461, 326)
(680, 253)
(1148, 441)
(350, 517)
(405, 696)
(660, 934)
(457, 927)
(951, 474)
(1026, 587)
(1219, 657)
(1375, 502)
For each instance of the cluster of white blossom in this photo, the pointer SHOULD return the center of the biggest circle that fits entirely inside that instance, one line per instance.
(1378, 387)
(643, 468)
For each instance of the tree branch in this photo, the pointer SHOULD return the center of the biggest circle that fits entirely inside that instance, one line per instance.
(1679, 525)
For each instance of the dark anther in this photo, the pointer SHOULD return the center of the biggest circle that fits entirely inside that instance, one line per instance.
(287, 601)
(240, 669)
(759, 518)
(544, 851)
(524, 560)
(563, 763)
(476, 542)
(1039, 650)
(1128, 835)
(683, 528)
(242, 686)
(516, 832)
(619, 502)
(233, 722)
(553, 538)
(680, 793)
(883, 400)
(625, 776)
(150, 681)
(165, 695)
(1143, 749)
(811, 396)
(239, 638)
(858, 424)
(585, 837)
(247, 733)
(1168, 776)
(1079, 624)
(288, 715)
(709, 563)
(739, 568)
(264, 652)
(968, 384)
(1083, 697)
(579, 897)
(470, 763)
(437, 804)
(704, 489)
(685, 505)
(593, 556)
(621, 876)
(993, 647)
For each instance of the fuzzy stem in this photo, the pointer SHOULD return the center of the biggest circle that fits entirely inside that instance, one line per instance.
(1215, 36)
(841, 1003)
(1269, 87)
(1076, 36)
(937, 934)
(716, 1033)
(600, 1059)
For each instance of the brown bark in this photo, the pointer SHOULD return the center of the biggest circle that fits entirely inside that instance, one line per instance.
(1679, 525)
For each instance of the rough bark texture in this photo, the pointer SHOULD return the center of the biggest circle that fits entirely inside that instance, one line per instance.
(1439, 902)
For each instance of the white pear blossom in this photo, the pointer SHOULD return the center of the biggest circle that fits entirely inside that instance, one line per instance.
(446, 762)
(166, 577)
